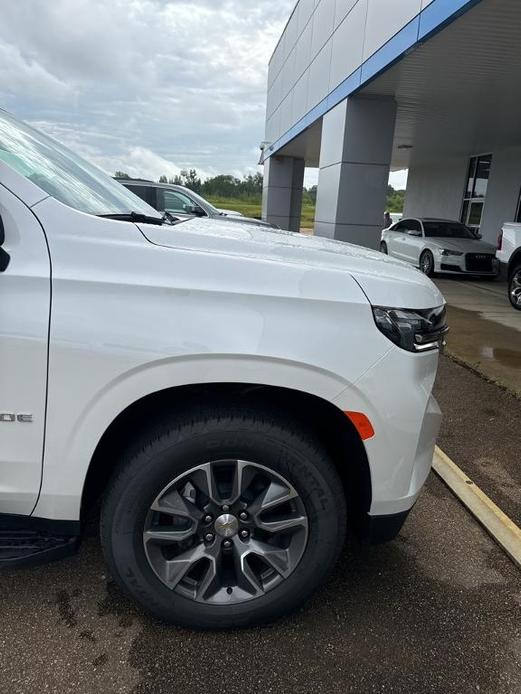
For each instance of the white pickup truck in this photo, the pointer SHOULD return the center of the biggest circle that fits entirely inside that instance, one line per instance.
(236, 397)
(509, 255)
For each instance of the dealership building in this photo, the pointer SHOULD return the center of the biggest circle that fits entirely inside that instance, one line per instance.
(359, 88)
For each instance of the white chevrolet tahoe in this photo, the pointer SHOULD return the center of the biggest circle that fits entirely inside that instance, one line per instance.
(509, 255)
(236, 397)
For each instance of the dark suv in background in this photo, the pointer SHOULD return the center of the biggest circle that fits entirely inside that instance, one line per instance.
(182, 202)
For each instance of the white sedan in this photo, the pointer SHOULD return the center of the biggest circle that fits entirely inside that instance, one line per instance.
(440, 245)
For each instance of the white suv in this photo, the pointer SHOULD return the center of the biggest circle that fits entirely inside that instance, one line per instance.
(237, 397)
(509, 255)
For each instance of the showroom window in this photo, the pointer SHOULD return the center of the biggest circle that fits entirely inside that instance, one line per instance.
(476, 190)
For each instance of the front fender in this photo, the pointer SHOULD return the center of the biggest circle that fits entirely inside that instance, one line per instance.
(66, 470)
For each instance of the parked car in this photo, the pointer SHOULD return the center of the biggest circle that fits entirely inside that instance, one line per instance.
(182, 202)
(229, 393)
(509, 256)
(440, 245)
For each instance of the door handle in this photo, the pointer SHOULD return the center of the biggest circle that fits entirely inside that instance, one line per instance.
(4, 255)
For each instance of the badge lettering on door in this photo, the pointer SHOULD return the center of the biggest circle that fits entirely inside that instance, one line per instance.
(12, 417)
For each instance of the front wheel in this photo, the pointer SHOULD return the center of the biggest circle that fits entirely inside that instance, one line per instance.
(383, 247)
(427, 263)
(514, 288)
(225, 519)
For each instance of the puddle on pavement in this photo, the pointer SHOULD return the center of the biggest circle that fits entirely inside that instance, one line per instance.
(510, 358)
(492, 349)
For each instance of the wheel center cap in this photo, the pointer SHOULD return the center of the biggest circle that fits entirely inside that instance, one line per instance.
(226, 525)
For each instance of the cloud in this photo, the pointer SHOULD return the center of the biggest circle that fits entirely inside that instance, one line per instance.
(144, 84)
(140, 161)
(24, 75)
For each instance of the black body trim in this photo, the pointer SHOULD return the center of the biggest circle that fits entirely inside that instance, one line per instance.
(28, 541)
(379, 529)
(44, 525)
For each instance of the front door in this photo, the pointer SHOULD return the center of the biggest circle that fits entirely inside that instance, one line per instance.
(411, 245)
(25, 296)
(396, 239)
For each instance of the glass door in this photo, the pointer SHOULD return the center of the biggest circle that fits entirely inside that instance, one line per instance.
(476, 190)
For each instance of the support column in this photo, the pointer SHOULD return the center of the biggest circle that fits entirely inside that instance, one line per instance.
(355, 159)
(282, 191)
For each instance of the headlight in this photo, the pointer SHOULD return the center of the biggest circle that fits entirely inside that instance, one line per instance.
(446, 251)
(415, 330)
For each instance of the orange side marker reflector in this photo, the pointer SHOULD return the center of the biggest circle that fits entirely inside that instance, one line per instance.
(361, 424)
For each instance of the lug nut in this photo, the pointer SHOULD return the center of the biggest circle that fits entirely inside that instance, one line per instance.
(208, 518)
(243, 515)
(208, 537)
(227, 544)
(244, 533)
(226, 508)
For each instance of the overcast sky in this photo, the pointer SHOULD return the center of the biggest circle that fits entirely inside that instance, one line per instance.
(145, 86)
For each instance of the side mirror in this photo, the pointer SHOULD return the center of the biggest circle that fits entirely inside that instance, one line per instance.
(413, 232)
(195, 210)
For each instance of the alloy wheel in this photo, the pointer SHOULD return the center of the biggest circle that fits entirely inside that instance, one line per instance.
(426, 264)
(515, 289)
(225, 532)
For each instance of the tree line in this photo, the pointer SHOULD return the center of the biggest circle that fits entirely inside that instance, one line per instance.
(224, 185)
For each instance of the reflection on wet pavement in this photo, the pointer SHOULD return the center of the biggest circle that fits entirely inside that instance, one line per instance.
(507, 357)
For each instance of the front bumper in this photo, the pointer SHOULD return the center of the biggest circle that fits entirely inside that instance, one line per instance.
(462, 266)
(503, 271)
(396, 397)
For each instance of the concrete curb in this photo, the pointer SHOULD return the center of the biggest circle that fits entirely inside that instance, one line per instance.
(502, 529)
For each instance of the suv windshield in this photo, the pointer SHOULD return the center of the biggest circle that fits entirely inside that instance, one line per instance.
(451, 230)
(62, 174)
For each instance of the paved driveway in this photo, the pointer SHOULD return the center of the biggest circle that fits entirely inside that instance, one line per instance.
(438, 610)
(484, 297)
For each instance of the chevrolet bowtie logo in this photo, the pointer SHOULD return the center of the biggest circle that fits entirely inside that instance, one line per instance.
(226, 525)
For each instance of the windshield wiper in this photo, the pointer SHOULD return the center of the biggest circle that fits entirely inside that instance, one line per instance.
(169, 218)
(133, 217)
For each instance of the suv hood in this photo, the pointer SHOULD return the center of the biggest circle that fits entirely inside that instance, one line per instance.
(230, 213)
(241, 219)
(385, 281)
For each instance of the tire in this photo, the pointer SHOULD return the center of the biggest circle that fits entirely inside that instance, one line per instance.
(273, 447)
(514, 288)
(427, 263)
(383, 247)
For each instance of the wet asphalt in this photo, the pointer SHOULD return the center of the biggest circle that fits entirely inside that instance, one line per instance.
(437, 610)
(485, 331)
(481, 432)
